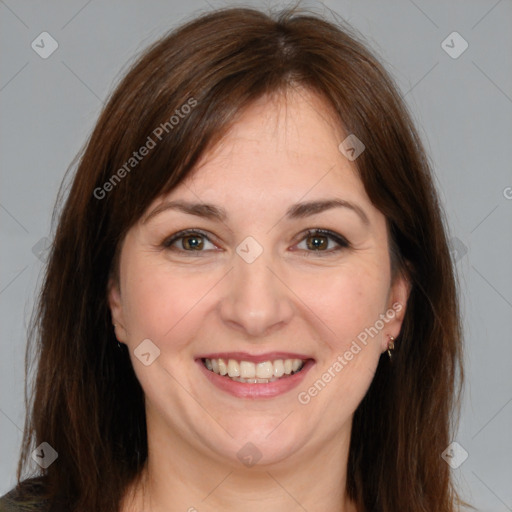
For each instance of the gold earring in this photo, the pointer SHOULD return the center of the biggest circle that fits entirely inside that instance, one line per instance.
(391, 346)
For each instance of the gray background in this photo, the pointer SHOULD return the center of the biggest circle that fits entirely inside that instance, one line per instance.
(463, 108)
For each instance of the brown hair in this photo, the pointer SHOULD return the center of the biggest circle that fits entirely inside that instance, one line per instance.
(87, 403)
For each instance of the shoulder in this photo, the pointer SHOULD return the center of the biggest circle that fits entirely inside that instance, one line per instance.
(25, 497)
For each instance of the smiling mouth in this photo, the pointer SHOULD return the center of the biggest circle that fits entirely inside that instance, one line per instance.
(254, 373)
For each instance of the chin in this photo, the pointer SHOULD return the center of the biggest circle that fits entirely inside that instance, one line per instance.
(258, 441)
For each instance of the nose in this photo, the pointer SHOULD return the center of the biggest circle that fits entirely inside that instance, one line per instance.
(257, 301)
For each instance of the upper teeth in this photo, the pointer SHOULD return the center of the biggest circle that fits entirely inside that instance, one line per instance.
(250, 370)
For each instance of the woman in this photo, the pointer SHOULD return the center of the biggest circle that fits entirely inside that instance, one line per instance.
(250, 301)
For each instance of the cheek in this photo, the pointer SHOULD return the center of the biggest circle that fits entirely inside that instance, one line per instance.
(163, 302)
(153, 299)
(350, 304)
(349, 300)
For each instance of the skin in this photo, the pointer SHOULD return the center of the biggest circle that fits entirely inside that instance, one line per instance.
(291, 298)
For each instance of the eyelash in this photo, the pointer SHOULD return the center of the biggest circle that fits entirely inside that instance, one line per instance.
(340, 240)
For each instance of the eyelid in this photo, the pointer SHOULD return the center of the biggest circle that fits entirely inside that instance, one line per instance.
(182, 234)
(342, 242)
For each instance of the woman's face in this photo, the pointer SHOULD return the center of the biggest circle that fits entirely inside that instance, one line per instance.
(251, 285)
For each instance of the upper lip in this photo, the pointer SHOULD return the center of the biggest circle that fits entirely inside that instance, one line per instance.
(255, 358)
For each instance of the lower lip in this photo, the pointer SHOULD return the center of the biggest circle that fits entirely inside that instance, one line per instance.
(246, 390)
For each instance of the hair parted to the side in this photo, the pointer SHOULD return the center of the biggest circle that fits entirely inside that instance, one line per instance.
(86, 401)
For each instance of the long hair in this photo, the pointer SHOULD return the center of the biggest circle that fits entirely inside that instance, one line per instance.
(177, 101)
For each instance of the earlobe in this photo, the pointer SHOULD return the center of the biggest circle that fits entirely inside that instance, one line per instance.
(397, 305)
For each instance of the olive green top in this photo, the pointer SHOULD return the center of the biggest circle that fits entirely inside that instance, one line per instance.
(10, 505)
(7, 505)
(24, 498)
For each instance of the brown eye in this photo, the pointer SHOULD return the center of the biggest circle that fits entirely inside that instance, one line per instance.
(191, 241)
(319, 241)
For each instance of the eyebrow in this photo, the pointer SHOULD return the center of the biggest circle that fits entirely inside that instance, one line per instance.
(296, 211)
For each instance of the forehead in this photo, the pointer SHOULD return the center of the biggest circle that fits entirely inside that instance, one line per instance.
(281, 149)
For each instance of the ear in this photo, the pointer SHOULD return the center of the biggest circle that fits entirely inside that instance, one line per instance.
(396, 307)
(116, 309)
